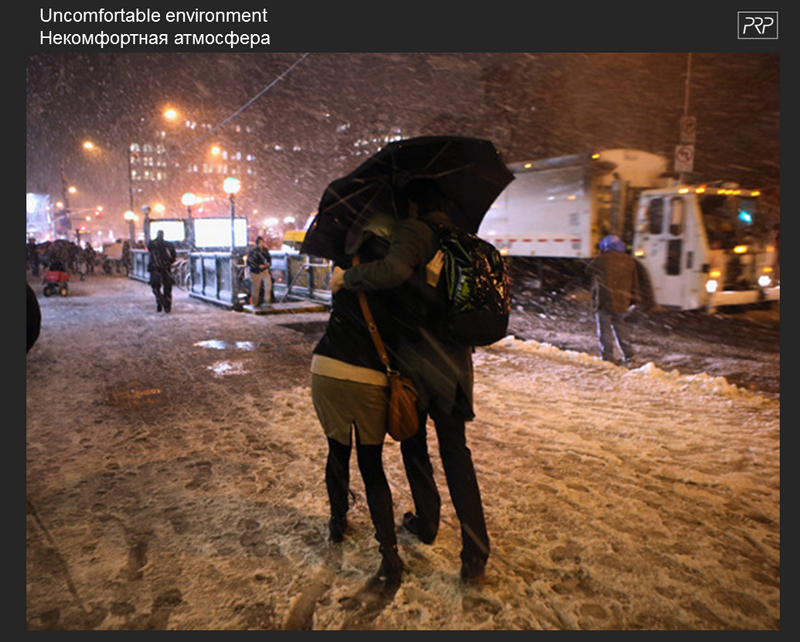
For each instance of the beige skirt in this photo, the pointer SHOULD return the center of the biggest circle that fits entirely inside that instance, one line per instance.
(344, 405)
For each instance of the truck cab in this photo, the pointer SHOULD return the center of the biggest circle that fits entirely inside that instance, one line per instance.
(704, 246)
(698, 246)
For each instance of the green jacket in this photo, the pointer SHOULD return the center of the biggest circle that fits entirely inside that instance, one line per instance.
(615, 282)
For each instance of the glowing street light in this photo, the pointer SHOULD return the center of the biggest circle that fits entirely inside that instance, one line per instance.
(231, 185)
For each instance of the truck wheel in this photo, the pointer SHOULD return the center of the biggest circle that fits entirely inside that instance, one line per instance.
(47, 291)
(63, 290)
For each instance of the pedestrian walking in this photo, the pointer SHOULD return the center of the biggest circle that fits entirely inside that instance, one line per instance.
(348, 388)
(126, 257)
(90, 256)
(162, 256)
(259, 261)
(615, 291)
(81, 265)
(74, 254)
(441, 369)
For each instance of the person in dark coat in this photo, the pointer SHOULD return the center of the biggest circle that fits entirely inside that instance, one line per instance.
(33, 257)
(259, 261)
(615, 290)
(33, 318)
(90, 256)
(348, 389)
(126, 257)
(442, 371)
(162, 256)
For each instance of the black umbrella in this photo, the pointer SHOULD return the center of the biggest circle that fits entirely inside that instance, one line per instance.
(467, 170)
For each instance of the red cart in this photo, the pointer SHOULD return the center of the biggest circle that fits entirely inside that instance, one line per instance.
(55, 282)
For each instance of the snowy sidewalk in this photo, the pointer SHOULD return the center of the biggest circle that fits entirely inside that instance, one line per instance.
(175, 481)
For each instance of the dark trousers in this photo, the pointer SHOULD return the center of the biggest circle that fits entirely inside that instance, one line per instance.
(461, 482)
(161, 284)
(612, 329)
(379, 495)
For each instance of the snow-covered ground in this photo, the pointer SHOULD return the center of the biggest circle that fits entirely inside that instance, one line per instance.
(175, 481)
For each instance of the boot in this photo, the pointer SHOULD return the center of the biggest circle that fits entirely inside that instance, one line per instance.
(391, 565)
(411, 524)
(337, 528)
(472, 569)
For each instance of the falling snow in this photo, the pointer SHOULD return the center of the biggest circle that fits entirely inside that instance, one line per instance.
(331, 108)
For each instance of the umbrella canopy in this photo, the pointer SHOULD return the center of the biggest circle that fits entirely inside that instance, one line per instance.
(467, 170)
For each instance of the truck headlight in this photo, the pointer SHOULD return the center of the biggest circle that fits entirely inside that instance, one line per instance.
(711, 286)
(765, 280)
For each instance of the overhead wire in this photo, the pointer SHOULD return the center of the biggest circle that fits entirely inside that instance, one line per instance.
(242, 108)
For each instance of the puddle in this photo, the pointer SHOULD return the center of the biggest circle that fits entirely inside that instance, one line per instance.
(226, 368)
(217, 344)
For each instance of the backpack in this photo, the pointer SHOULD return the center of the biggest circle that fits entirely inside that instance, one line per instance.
(472, 289)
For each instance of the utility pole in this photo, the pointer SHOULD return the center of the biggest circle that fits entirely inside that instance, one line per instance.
(684, 152)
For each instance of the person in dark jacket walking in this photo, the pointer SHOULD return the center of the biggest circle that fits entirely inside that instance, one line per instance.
(615, 290)
(33, 257)
(90, 256)
(259, 261)
(162, 256)
(442, 371)
(348, 389)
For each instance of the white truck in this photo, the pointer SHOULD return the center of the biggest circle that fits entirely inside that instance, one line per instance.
(698, 246)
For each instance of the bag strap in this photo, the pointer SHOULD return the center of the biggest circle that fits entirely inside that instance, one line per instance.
(373, 329)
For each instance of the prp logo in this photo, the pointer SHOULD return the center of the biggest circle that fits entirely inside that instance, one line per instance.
(758, 25)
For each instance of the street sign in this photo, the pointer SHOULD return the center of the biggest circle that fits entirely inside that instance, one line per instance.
(684, 158)
(688, 129)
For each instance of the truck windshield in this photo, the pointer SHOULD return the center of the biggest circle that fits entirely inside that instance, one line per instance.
(732, 220)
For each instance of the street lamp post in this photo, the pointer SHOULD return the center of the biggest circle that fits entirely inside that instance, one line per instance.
(131, 218)
(64, 212)
(188, 200)
(128, 152)
(146, 211)
(231, 186)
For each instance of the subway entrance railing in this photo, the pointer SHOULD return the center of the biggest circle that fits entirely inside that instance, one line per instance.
(221, 278)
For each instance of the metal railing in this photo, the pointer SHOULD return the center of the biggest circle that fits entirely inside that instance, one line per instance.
(215, 277)
(181, 272)
(219, 278)
(299, 276)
